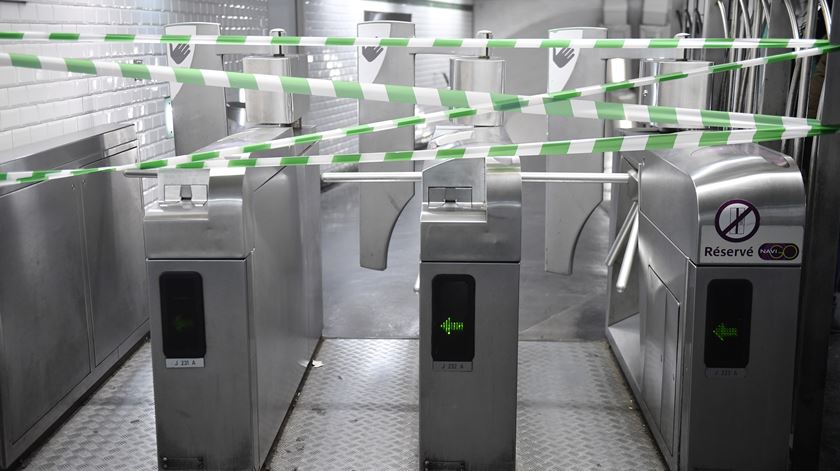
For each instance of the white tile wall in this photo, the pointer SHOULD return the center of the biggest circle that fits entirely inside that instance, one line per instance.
(39, 105)
(339, 18)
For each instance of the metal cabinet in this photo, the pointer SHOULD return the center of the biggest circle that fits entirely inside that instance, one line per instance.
(72, 280)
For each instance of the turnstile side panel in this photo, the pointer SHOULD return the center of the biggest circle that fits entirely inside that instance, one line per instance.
(43, 318)
(113, 221)
(471, 416)
(279, 289)
(208, 412)
(742, 421)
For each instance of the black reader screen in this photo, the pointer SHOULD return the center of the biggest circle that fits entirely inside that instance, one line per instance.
(728, 315)
(453, 318)
(182, 315)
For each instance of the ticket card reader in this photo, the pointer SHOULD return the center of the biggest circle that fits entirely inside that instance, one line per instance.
(709, 346)
(470, 240)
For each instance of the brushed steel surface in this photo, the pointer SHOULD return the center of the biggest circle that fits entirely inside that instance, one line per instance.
(273, 107)
(198, 113)
(478, 74)
(381, 205)
(471, 416)
(568, 207)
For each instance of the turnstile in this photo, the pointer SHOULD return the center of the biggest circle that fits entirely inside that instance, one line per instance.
(707, 339)
(470, 246)
(235, 285)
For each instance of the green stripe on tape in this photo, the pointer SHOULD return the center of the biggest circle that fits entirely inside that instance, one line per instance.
(450, 153)
(64, 36)
(506, 150)
(559, 108)
(286, 40)
(715, 118)
(714, 138)
(555, 148)
(189, 76)
(608, 144)
(505, 102)
(447, 43)
(718, 43)
(610, 110)
(400, 94)
(138, 71)
(340, 41)
(461, 112)
(557, 43)
(780, 57)
(190, 165)
(149, 164)
(673, 76)
(362, 129)
(230, 39)
(240, 80)
(81, 66)
(763, 120)
(773, 43)
(401, 42)
(10, 35)
(25, 60)
(113, 37)
(770, 134)
(663, 114)
(295, 85)
(301, 160)
(307, 138)
(401, 155)
(501, 43)
(410, 121)
(3, 176)
(609, 43)
(175, 38)
(561, 96)
(664, 43)
(611, 87)
(455, 98)
(242, 163)
(208, 155)
(256, 148)
(660, 141)
(724, 67)
(346, 158)
(88, 171)
(348, 90)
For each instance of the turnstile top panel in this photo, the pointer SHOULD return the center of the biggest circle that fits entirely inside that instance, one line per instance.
(738, 204)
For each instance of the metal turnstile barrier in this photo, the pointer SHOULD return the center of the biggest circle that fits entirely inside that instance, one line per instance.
(704, 323)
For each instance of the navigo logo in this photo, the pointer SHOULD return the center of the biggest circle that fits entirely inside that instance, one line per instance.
(778, 251)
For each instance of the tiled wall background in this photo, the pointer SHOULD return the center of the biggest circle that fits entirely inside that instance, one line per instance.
(39, 105)
(339, 18)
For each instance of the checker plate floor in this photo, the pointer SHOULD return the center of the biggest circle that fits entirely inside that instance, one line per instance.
(359, 411)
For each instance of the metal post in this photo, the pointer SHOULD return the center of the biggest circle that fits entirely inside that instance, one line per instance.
(822, 232)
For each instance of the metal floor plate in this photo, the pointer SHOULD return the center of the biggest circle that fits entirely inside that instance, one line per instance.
(359, 411)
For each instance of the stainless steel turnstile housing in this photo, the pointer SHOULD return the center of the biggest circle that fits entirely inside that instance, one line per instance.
(73, 282)
(706, 330)
(235, 280)
(470, 249)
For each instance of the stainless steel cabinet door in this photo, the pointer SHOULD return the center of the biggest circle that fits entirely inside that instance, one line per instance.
(113, 220)
(43, 322)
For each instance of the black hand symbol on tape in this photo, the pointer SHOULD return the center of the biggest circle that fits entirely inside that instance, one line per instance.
(179, 52)
(563, 56)
(370, 53)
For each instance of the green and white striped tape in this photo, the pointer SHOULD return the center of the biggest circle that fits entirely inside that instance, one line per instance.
(558, 103)
(677, 140)
(229, 40)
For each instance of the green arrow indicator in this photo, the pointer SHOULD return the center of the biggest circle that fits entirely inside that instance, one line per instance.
(450, 326)
(722, 331)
